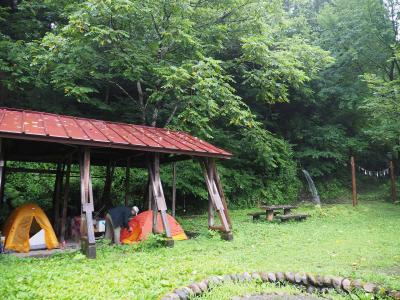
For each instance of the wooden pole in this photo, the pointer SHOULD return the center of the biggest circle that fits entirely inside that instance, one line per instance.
(353, 180)
(155, 214)
(211, 220)
(209, 171)
(221, 192)
(173, 189)
(159, 198)
(149, 193)
(2, 173)
(65, 200)
(87, 230)
(127, 179)
(393, 181)
(56, 199)
(106, 196)
(151, 201)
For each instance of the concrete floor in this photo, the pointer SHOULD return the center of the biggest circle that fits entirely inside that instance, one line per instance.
(69, 247)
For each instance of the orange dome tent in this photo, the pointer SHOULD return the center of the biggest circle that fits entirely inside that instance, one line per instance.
(142, 226)
(24, 221)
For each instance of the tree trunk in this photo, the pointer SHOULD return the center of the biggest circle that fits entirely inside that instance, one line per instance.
(141, 101)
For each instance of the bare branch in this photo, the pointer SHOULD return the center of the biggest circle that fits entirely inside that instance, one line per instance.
(156, 27)
(124, 91)
(171, 116)
(142, 107)
(141, 101)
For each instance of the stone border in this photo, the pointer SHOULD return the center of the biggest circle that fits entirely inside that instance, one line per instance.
(310, 281)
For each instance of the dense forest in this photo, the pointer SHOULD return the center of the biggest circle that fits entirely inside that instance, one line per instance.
(282, 84)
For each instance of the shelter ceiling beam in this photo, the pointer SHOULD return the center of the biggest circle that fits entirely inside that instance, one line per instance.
(58, 157)
(32, 170)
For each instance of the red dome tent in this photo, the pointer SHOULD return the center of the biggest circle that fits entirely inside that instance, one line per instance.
(142, 226)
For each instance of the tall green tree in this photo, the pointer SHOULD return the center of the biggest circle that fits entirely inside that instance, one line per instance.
(333, 120)
(219, 69)
(383, 104)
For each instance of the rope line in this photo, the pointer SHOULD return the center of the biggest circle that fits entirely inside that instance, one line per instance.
(381, 173)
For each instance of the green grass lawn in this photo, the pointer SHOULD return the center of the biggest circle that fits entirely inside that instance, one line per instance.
(360, 242)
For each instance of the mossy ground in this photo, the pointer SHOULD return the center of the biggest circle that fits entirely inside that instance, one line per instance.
(361, 242)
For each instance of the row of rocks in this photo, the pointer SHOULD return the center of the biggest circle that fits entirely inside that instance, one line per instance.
(277, 296)
(310, 281)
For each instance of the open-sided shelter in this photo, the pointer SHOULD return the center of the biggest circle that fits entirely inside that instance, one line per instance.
(32, 136)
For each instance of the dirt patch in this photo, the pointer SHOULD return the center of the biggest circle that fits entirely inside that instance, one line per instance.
(394, 270)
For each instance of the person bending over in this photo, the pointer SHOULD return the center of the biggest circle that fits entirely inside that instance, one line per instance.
(116, 218)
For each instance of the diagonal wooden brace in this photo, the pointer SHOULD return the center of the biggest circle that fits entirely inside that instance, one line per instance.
(159, 204)
(215, 195)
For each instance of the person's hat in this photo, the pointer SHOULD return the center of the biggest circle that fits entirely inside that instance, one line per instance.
(136, 209)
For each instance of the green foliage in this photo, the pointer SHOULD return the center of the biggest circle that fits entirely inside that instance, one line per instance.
(334, 190)
(207, 68)
(271, 175)
(329, 149)
(280, 84)
(330, 118)
(282, 62)
(383, 106)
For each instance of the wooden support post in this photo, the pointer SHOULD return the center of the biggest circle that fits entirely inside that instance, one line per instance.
(155, 214)
(2, 173)
(270, 215)
(158, 195)
(221, 192)
(393, 181)
(65, 200)
(211, 219)
(210, 175)
(149, 193)
(127, 179)
(106, 196)
(57, 197)
(287, 211)
(88, 242)
(173, 188)
(353, 180)
(152, 204)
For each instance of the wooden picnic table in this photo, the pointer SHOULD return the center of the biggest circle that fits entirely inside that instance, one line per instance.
(270, 210)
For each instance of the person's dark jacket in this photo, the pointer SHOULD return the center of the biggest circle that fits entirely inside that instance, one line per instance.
(120, 216)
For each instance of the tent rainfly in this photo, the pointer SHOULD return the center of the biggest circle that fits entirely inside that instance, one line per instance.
(31, 136)
(19, 225)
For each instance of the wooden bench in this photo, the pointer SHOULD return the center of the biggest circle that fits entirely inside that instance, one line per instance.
(271, 209)
(256, 215)
(297, 217)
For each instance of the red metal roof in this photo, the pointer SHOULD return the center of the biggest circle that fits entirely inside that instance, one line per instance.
(41, 126)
